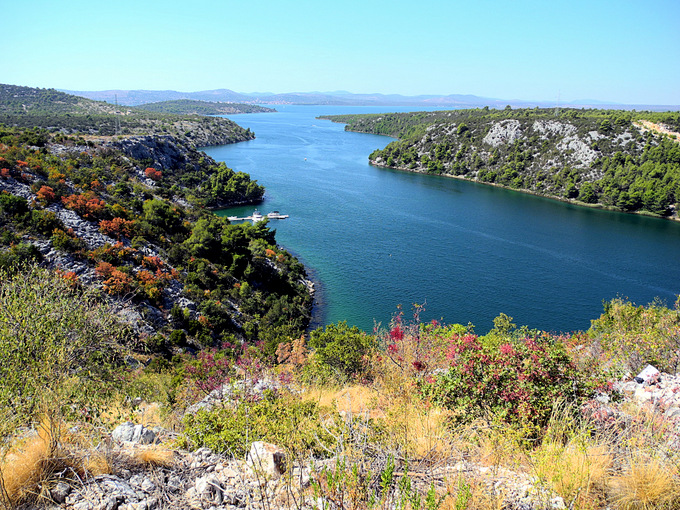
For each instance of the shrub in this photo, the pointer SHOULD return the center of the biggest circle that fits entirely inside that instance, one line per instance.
(290, 423)
(56, 342)
(67, 241)
(633, 336)
(520, 380)
(341, 350)
(20, 253)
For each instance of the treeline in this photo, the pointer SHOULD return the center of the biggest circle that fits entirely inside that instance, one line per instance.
(205, 280)
(194, 107)
(618, 159)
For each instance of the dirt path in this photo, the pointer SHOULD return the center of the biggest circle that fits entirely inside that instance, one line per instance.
(646, 125)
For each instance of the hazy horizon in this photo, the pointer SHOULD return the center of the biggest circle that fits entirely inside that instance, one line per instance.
(528, 50)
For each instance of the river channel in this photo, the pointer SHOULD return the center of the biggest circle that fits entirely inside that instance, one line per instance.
(376, 238)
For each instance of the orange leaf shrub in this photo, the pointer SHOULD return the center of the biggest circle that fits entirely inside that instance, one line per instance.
(153, 174)
(118, 283)
(86, 205)
(117, 227)
(45, 194)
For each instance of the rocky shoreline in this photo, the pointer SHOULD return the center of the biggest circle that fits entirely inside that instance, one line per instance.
(675, 216)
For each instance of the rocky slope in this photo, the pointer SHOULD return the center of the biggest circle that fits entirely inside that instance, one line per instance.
(130, 217)
(147, 472)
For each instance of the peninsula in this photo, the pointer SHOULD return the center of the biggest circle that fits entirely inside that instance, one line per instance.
(621, 160)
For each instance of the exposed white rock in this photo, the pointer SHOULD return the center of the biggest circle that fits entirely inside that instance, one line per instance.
(553, 128)
(503, 132)
(132, 433)
(267, 458)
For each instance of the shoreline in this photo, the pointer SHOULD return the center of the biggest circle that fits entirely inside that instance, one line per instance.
(571, 201)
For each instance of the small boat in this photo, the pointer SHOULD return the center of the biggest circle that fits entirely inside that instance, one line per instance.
(257, 216)
(275, 215)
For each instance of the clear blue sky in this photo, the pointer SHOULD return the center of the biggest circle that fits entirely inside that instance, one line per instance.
(625, 51)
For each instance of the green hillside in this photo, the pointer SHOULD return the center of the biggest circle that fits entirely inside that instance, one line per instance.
(26, 107)
(194, 107)
(624, 160)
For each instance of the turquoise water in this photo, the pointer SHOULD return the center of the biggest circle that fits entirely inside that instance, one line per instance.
(375, 238)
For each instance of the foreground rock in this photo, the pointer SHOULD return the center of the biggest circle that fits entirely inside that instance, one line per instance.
(204, 480)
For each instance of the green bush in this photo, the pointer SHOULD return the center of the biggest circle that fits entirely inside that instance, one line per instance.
(632, 336)
(20, 253)
(287, 422)
(57, 344)
(341, 351)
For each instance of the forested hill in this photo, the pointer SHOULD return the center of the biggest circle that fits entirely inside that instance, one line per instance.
(194, 107)
(131, 218)
(623, 160)
(27, 107)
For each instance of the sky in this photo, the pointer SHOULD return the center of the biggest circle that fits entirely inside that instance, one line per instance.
(621, 51)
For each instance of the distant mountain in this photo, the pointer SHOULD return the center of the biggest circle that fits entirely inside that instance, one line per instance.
(137, 97)
(341, 97)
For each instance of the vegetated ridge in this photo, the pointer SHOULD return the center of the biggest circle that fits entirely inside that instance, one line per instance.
(195, 107)
(132, 217)
(49, 109)
(622, 160)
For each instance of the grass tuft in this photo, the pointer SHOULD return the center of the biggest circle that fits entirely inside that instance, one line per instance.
(646, 484)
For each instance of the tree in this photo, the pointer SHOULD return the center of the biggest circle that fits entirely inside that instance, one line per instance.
(587, 193)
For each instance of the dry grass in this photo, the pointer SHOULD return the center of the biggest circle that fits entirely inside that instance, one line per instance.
(354, 400)
(646, 484)
(157, 457)
(419, 432)
(578, 471)
(30, 462)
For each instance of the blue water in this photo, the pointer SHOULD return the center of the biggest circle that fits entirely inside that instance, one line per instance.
(375, 238)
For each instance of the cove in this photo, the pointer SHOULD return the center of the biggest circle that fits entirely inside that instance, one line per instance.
(375, 238)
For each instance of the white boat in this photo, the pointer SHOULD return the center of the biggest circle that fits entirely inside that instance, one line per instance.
(275, 215)
(257, 216)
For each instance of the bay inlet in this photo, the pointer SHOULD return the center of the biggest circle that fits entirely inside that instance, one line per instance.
(376, 238)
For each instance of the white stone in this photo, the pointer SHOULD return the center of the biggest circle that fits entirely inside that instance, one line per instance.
(673, 412)
(649, 372)
(132, 433)
(267, 458)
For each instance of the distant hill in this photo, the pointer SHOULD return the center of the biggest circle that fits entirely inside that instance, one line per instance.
(26, 107)
(194, 107)
(138, 97)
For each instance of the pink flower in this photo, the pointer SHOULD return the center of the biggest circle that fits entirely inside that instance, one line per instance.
(396, 333)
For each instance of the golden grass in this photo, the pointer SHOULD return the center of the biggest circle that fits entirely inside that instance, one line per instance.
(419, 431)
(646, 484)
(354, 400)
(23, 469)
(155, 457)
(577, 471)
(29, 463)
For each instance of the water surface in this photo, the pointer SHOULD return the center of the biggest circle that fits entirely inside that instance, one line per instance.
(375, 238)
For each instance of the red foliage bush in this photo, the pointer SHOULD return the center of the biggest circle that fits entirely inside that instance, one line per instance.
(86, 205)
(154, 174)
(45, 194)
(520, 380)
(117, 227)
